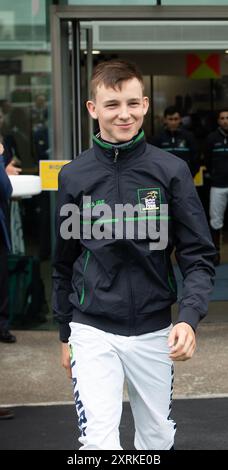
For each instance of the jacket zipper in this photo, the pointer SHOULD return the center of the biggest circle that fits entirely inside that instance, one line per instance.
(116, 155)
(87, 256)
(131, 294)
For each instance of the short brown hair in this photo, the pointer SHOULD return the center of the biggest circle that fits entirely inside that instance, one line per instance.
(113, 73)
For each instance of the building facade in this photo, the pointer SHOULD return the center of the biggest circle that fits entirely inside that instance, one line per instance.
(48, 49)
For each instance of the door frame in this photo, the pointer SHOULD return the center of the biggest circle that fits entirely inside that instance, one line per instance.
(63, 131)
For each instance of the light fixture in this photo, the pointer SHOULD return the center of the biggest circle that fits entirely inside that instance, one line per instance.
(226, 51)
(94, 52)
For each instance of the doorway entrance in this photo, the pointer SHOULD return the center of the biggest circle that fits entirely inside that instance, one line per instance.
(157, 39)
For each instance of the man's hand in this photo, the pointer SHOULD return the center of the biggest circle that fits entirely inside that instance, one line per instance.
(1, 149)
(66, 359)
(182, 342)
(12, 169)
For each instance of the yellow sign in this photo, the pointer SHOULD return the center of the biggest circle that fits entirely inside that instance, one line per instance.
(49, 170)
(198, 178)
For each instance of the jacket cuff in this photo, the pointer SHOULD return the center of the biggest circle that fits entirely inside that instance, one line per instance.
(64, 332)
(190, 316)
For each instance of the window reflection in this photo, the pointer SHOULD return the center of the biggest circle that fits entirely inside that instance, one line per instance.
(25, 78)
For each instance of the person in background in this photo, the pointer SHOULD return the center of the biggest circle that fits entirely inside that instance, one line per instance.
(177, 140)
(5, 245)
(5, 335)
(41, 152)
(216, 158)
(112, 296)
(6, 108)
(10, 157)
(39, 112)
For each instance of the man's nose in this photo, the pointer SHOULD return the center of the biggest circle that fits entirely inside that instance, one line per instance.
(124, 112)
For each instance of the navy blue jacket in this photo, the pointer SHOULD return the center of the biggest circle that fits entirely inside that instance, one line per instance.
(216, 156)
(181, 143)
(120, 285)
(5, 193)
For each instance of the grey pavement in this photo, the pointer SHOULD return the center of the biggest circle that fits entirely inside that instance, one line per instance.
(33, 381)
(31, 371)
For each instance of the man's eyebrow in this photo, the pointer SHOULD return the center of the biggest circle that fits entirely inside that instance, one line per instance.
(111, 101)
(116, 101)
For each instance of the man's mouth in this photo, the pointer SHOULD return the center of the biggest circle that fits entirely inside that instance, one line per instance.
(126, 125)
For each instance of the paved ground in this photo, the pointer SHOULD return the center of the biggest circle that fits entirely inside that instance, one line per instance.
(31, 371)
(31, 374)
(202, 425)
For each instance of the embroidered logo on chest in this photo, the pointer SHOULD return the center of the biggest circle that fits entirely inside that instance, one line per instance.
(149, 199)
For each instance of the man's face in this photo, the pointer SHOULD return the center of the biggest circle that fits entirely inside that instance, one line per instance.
(223, 120)
(120, 112)
(40, 101)
(172, 121)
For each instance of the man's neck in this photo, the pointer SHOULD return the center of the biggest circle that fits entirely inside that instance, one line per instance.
(124, 145)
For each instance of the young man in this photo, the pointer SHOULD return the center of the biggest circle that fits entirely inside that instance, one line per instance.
(177, 140)
(216, 156)
(112, 296)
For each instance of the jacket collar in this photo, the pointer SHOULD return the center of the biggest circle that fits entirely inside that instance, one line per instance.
(173, 133)
(224, 133)
(121, 152)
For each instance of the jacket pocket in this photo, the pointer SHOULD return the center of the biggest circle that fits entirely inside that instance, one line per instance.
(83, 289)
(97, 291)
(157, 287)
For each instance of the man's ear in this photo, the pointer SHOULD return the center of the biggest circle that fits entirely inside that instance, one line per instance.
(92, 109)
(145, 104)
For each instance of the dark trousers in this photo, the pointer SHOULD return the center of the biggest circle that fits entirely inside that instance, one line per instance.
(4, 285)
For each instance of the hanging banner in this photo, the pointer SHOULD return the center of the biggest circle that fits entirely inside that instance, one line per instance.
(203, 65)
